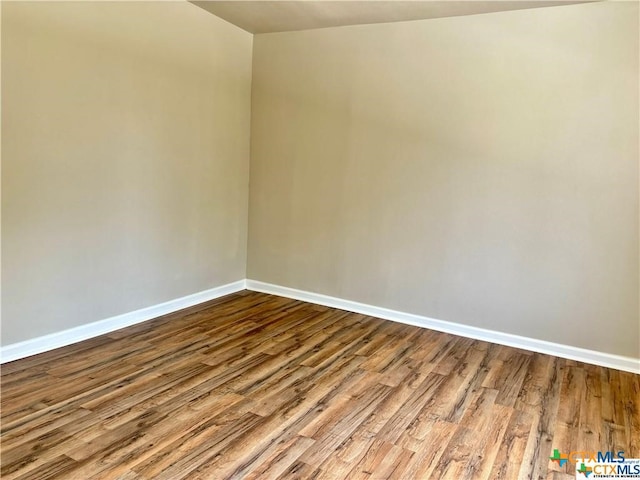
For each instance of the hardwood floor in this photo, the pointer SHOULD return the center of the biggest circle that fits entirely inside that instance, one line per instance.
(255, 386)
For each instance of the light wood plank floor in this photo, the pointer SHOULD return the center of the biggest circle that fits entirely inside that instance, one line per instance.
(255, 386)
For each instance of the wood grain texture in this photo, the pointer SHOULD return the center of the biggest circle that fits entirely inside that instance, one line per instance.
(262, 387)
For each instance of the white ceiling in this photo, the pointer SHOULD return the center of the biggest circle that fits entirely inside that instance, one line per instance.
(280, 16)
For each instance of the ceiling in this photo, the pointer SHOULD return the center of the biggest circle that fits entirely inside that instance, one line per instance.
(281, 16)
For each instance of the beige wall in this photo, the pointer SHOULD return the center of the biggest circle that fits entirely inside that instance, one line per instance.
(125, 131)
(480, 169)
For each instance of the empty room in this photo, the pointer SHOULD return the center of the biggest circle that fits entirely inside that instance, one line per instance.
(320, 240)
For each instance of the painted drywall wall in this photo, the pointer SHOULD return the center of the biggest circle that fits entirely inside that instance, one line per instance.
(125, 130)
(480, 170)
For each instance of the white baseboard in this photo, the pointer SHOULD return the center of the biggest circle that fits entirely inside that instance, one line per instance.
(45, 343)
(618, 362)
(55, 340)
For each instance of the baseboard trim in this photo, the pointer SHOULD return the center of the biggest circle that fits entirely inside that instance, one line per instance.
(627, 364)
(63, 338)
